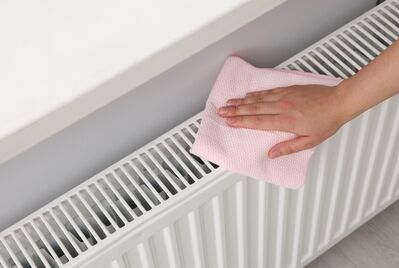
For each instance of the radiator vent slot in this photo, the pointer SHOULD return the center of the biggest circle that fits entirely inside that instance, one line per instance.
(106, 203)
(92, 212)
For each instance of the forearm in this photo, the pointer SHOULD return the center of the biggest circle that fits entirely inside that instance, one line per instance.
(376, 82)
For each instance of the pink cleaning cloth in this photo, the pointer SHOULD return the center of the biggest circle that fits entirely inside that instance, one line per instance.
(245, 150)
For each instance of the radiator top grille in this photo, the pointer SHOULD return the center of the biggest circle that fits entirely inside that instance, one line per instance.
(106, 203)
(95, 210)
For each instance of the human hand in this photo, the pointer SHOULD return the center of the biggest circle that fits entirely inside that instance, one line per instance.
(312, 112)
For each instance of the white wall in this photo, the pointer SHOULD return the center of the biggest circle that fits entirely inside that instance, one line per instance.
(49, 169)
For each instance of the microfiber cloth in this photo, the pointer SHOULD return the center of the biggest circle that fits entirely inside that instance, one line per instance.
(245, 150)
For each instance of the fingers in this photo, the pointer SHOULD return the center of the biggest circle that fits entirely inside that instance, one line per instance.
(291, 146)
(267, 91)
(261, 96)
(250, 109)
(262, 122)
(254, 99)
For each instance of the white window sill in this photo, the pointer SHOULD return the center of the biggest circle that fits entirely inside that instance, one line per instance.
(61, 60)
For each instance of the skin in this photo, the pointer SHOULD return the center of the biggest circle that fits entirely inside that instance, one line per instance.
(315, 112)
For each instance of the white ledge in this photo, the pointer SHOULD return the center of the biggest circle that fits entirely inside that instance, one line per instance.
(61, 60)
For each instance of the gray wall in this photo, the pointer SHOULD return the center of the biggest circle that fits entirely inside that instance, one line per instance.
(47, 170)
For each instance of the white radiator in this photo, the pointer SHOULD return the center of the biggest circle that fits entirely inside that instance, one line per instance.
(162, 207)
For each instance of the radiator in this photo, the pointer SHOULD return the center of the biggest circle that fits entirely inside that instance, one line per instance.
(162, 207)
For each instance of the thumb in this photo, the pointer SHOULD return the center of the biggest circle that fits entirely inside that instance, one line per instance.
(291, 146)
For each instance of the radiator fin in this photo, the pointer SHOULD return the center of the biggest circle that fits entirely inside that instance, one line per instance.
(236, 221)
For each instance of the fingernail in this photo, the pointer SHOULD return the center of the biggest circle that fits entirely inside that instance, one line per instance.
(222, 110)
(232, 101)
(274, 154)
(231, 120)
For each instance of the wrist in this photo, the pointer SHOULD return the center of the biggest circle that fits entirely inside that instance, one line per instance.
(346, 106)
